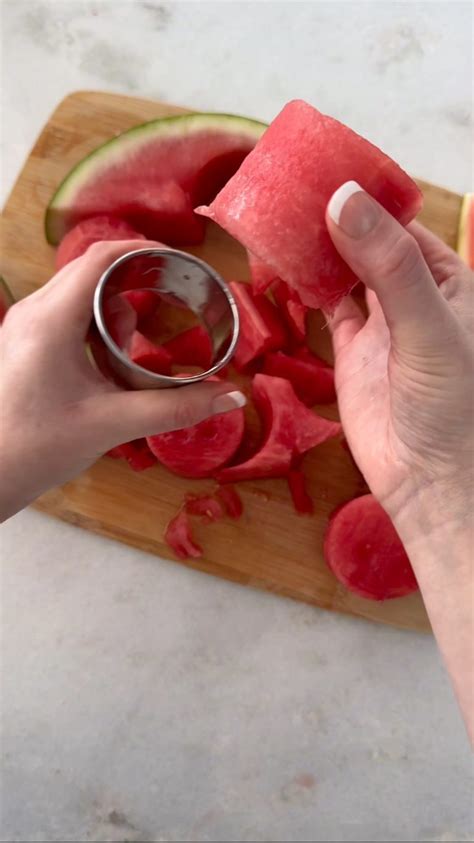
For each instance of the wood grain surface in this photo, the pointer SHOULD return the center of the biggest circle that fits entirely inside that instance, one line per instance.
(271, 547)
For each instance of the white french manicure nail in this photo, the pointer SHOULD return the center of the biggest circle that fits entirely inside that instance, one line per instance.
(340, 197)
(229, 401)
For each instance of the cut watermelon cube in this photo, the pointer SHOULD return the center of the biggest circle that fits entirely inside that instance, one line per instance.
(261, 327)
(192, 347)
(149, 356)
(292, 308)
(144, 302)
(311, 378)
(275, 204)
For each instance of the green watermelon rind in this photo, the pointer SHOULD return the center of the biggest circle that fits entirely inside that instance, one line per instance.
(175, 125)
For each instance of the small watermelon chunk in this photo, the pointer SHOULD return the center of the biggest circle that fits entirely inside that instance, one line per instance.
(311, 378)
(364, 551)
(276, 202)
(261, 275)
(144, 353)
(200, 450)
(293, 310)
(290, 429)
(179, 538)
(6, 299)
(192, 347)
(136, 453)
(231, 501)
(208, 507)
(93, 230)
(465, 245)
(261, 327)
(302, 500)
(154, 174)
(144, 302)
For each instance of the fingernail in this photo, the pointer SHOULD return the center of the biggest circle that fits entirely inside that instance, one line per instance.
(353, 210)
(229, 401)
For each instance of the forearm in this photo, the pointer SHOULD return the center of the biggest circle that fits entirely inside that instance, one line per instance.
(438, 535)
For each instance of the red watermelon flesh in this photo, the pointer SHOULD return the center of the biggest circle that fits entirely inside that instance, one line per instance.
(200, 450)
(206, 506)
(261, 275)
(290, 429)
(144, 353)
(261, 328)
(137, 454)
(302, 500)
(364, 551)
(292, 308)
(144, 302)
(275, 204)
(231, 501)
(192, 347)
(311, 378)
(93, 230)
(179, 538)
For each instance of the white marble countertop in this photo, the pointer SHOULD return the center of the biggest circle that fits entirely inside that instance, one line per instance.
(144, 701)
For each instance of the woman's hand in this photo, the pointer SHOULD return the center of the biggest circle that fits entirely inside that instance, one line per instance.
(404, 379)
(58, 414)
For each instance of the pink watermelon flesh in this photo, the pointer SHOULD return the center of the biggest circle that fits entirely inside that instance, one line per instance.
(156, 188)
(231, 500)
(363, 550)
(192, 347)
(311, 378)
(276, 202)
(292, 309)
(261, 275)
(179, 538)
(137, 454)
(93, 230)
(144, 353)
(206, 506)
(200, 450)
(290, 429)
(302, 500)
(144, 302)
(261, 328)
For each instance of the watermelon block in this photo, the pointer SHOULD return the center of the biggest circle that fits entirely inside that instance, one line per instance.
(192, 347)
(465, 244)
(261, 275)
(179, 538)
(311, 378)
(302, 500)
(290, 429)
(154, 174)
(144, 302)
(261, 327)
(275, 204)
(364, 551)
(292, 309)
(144, 353)
(6, 298)
(93, 230)
(137, 454)
(200, 450)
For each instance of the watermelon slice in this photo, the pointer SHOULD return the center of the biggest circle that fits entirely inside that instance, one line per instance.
(276, 202)
(154, 174)
(93, 230)
(144, 353)
(261, 328)
(311, 378)
(290, 430)
(192, 347)
(363, 550)
(293, 310)
(200, 450)
(6, 298)
(261, 275)
(179, 538)
(465, 245)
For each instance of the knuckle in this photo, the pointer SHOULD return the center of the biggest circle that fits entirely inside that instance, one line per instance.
(403, 259)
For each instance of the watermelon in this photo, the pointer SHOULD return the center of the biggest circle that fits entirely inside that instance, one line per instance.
(302, 500)
(206, 506)
(149, 356)
(154, 174)
(311, 378)
(465, 245)
(192, 347)
(364, 551)
(292, 309)
(6, 298)
(290, 429)
(120, 318)
(93, 230)
(179, 538)
(261, 275)
(231, 501)
(261, 328)
(144, 302)
(137, 454)
(200, 450)
(275, 204)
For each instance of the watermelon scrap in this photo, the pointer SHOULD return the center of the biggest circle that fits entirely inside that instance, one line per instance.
(144, 353)
(290, 429)
(465, 244)
(6, 299)
(93, 230)
(275, 204)
(136, 453)
(231, 500)
(200, 450)
(292, 308)
(192, 347)
(179, 538)
(365, 553)
(154, 174)
(311, 378)
(208, 507)
(261, 328)
(261, 275)
(302, 500)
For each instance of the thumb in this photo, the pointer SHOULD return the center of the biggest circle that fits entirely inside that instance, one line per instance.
(122, 416)
(387, 258)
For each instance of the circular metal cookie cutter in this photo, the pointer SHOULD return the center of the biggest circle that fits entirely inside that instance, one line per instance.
(185, 282)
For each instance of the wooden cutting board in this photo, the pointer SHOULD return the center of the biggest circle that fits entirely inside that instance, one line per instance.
(270, 547)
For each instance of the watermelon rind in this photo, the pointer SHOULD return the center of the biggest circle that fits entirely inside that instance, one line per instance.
(120, 146)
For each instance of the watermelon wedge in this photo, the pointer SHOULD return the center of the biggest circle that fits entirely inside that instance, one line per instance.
(6, 298)
(290, 429)
(276, 202)
(154, 174)
(93, 230)
(465, 245)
